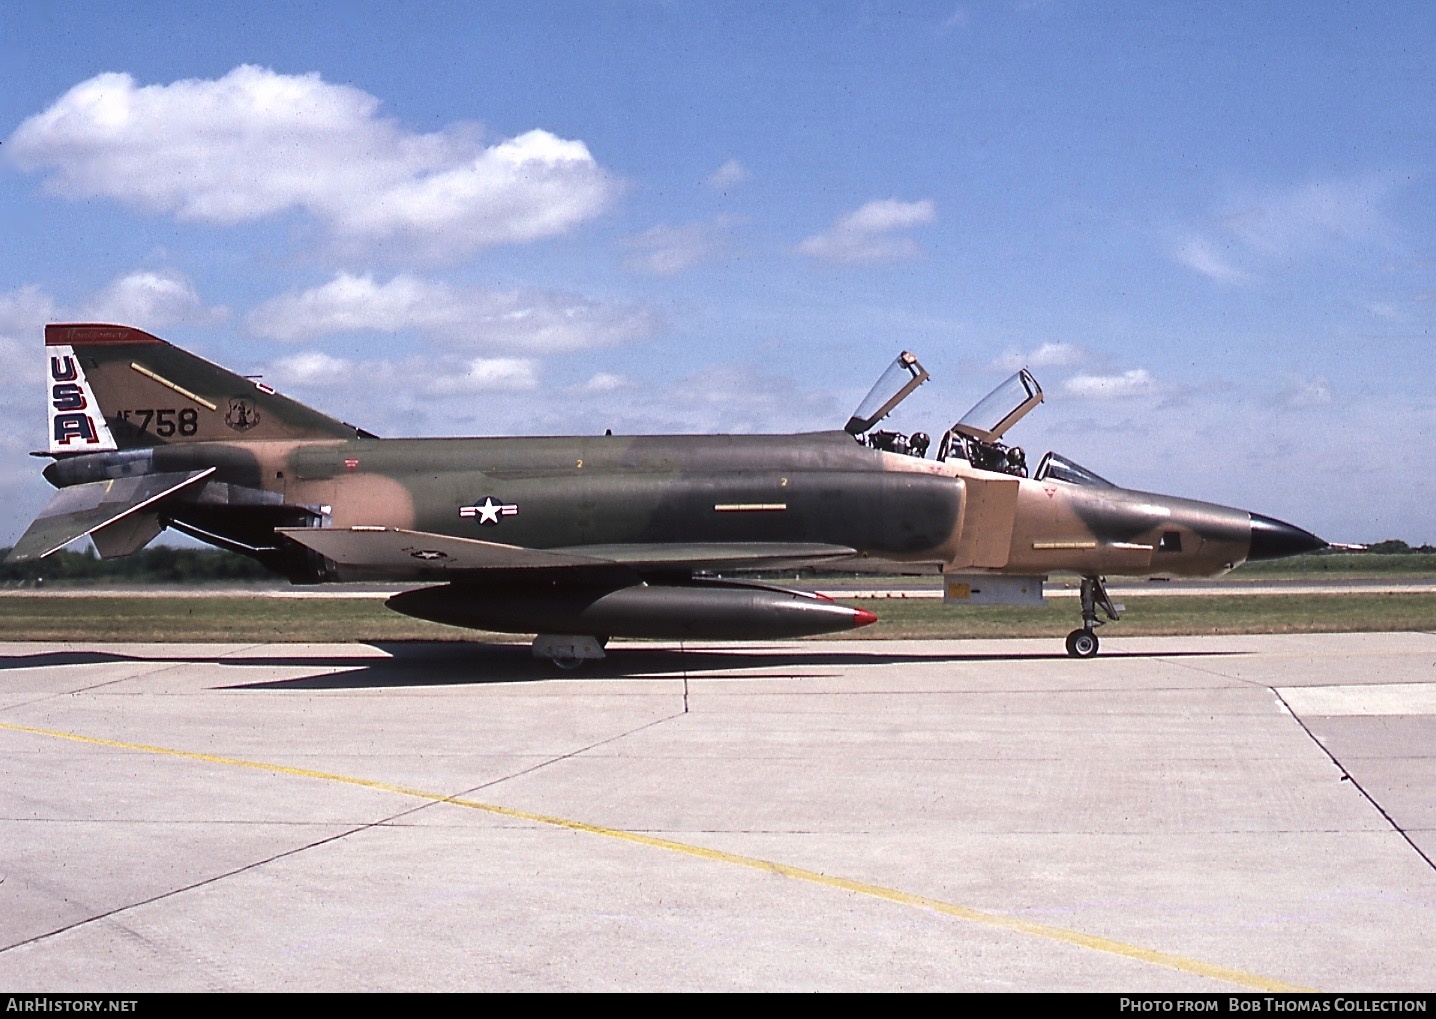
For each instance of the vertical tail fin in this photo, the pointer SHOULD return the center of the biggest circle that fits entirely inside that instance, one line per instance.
(114, 387)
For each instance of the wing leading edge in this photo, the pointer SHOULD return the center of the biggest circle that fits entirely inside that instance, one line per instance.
(395, 550)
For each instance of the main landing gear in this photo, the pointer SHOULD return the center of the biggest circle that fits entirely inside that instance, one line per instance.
(1083, 643)
(567, 651)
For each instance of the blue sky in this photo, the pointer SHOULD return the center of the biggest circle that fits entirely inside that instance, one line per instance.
(1208, 228)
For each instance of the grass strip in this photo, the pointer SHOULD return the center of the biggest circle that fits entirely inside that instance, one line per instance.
(336, 620)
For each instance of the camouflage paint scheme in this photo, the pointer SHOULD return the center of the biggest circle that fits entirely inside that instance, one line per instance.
(586, 513)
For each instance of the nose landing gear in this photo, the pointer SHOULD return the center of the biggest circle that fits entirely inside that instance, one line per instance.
(1083, 643)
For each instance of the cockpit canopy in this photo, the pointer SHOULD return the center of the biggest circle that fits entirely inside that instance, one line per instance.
(894, 386)
(1002, 408)
(976, 437)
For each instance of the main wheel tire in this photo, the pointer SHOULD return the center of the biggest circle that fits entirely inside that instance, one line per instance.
(1082, 644)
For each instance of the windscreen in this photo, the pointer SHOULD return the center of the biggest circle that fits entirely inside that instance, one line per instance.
(1056, 467)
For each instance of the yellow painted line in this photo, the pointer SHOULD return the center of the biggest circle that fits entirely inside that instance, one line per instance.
(750, 507)
(1238, 977)
(1063, 546)
(167, 383)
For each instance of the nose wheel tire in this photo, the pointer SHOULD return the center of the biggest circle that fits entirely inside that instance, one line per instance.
(1082, 644)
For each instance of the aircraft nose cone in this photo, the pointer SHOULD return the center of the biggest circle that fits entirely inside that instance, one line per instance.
(1275, 539)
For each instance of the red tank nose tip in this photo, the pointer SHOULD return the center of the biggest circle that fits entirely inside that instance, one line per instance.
(862, 617)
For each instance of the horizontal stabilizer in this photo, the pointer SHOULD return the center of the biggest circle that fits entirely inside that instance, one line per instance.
(396, 551)
(83, 509)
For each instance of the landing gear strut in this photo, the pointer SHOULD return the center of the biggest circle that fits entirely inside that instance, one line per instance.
(1083, 643)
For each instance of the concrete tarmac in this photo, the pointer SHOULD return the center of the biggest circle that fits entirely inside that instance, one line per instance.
(1202, 814)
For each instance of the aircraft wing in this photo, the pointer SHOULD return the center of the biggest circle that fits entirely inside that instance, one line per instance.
(712, 555)
(83, 509)
(390, 549)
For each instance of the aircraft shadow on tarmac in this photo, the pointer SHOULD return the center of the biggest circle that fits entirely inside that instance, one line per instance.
(449, 664)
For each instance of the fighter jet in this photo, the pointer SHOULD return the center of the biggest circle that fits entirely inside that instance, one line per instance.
(582, 538)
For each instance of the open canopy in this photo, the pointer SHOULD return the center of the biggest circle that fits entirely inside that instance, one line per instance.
(1002, 408)
(901, 378)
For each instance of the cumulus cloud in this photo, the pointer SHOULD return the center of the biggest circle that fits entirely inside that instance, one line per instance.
(530, 321)
(255, 143)
(1137, 382)
(733, 399)
(669, 250)
(1049, 355)
(744, 399)
(152, 300)
(728, 175)
(442, 376)
(489, 374)
(600, 382)
(872, 233)
(148, 299)
(24, 312)
(450, 394)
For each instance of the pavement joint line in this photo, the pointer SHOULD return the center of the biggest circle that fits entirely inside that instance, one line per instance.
(203, 882)
(1349, 777)
(93, 687)
(997, 921)
(353, 829)
(564, 757)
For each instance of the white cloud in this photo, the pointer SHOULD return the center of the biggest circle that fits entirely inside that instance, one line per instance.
(312, 368)
(1390, 311)
(147, 299)
(152, 300)
(25, 311)
(742, 399)
(489, 374)
(729, 399)
(669, 250)
(601, 382)
(1200, 254)
(255, 143)
(1049, 355)
(870, 233)
(1265, 230)
(442, 376)
(529, 321)
(1138, 382)
(1301, 394)
(1310, 217)
(728, 175)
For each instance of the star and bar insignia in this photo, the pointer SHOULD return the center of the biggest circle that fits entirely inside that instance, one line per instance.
(489, 511)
